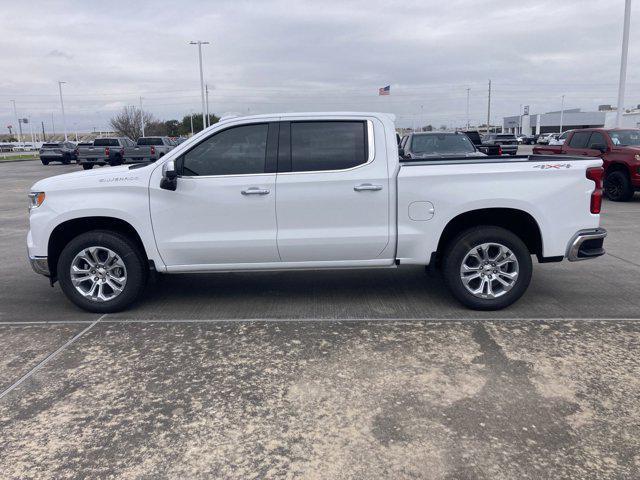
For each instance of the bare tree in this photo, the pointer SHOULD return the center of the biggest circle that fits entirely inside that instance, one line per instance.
(128, 122)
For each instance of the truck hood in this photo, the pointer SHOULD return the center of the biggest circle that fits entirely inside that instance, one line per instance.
(101, 177)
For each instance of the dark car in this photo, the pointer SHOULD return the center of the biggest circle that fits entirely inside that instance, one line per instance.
(431, 145)
(487, 149)
(507, 141)
(63, 152)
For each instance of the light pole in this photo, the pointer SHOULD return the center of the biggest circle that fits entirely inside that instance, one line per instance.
(141, 117)
(191, 117)
(200, 43)
(468, 91)
(64, 120)
(489, 108)
(206, 94)
(562, 114)
(623, 61)
(15, 113)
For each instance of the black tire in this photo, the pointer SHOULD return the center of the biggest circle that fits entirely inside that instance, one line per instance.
(45, 162)
(66, 160)
(456, 252)
(617, 186)
(117, 160)
(87, 166)
(131, 256)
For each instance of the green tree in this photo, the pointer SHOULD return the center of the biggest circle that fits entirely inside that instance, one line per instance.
(197, 123)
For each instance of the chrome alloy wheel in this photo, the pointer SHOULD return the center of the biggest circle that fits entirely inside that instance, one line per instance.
(98, 274)
(489, 270)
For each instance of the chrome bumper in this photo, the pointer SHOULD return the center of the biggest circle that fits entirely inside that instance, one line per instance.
(40, 265)
(586, 244)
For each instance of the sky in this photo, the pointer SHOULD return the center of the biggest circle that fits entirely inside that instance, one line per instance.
(270, 56)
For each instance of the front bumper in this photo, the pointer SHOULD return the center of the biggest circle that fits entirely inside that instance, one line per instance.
(40, 265)
(586, 244)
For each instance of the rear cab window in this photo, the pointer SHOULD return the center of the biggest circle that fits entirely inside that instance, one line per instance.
(150, 141)
(580, 139)
(106, 142)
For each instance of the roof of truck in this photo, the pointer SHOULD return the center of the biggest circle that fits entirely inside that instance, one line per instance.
(391, 116)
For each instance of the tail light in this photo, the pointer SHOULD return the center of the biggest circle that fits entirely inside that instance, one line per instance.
(596, 174)
(499, 150)
(153, 150)
(106, 151)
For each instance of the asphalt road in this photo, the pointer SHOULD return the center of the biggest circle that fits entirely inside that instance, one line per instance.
(348, 374)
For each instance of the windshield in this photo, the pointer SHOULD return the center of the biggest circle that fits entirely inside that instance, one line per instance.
(105, 142)
(624, 138)
(149, 141)
(441, 143)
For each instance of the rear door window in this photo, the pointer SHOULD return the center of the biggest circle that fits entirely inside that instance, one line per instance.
(597, 139)
(328, 145)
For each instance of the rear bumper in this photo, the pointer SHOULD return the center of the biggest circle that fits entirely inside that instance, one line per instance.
(586, 244)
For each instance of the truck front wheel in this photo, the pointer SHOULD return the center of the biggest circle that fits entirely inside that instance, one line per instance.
(487, 268)
(102, 271)
(617, 186)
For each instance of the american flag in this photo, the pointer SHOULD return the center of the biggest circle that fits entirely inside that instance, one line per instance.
(385, 90)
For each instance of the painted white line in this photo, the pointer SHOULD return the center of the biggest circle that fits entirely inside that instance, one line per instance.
(50, 357)
(332, 320)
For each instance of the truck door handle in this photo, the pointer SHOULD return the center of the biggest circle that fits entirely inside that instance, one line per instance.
(255, 191)
(367, 186)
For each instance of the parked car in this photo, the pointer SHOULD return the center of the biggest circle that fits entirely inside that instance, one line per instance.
(436, 145)
(148, 149)
(559, 139)
(507, 142)
(104, 151)
(312, 191)
(487, 149)
(545, 138)
(64, 152)
(618, 148)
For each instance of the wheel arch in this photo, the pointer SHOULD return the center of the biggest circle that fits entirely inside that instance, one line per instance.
(517, 221)
(63, 233)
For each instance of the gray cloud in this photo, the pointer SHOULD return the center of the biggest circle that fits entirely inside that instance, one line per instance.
(275, 55)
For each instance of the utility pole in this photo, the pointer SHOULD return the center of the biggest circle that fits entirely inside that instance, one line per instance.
(15, 113)
(191, 117)
(562, 114)
(468, 91)
(64, 120)
(206, 93)
(200, 43)
(623, 61)
(141, 117)
(489, 108)
(53, 127)
(44, 136)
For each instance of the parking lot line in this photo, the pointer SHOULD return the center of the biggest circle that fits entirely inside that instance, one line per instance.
(322, 320)
(49, 357)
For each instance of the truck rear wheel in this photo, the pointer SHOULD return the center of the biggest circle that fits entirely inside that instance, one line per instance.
(102, 271)
(87, 166)
(617, 186)
(487, 268)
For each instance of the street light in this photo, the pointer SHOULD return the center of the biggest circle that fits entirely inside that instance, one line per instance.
(562, 114)
(15, 113)
(64, 120)
(200, 43)
(623, 61)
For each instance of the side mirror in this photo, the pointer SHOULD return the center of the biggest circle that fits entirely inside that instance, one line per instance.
(169, 176)
(401, 153)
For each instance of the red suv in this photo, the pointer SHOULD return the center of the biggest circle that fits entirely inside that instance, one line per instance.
(618, 147)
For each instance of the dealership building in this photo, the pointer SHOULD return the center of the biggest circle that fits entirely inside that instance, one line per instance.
(549, 122)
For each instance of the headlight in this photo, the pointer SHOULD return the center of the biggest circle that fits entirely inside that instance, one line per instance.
(35, 199)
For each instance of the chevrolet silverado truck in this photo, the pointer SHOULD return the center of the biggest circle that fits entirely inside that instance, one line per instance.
(619, 150)
(313, 191)
(148, 149)
(104, 151)
(507, 142)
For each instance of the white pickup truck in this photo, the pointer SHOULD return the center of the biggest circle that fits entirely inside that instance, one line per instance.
(313, 191)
